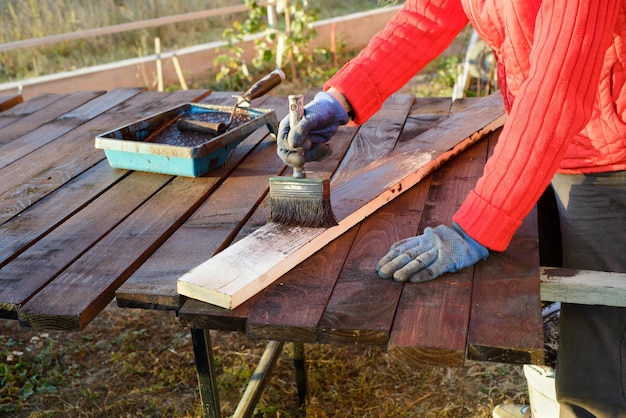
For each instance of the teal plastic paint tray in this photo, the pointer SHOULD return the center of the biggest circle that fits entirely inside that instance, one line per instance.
(155, 143)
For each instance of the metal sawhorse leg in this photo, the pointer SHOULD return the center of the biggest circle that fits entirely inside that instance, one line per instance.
(207, 381)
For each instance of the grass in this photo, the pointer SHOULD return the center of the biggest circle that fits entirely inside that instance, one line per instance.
(27, 19)
(136, 363)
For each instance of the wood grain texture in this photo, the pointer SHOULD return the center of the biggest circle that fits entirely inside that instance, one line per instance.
(583, 286)
(506, 324)
(311, 287)
(434, 316)
(357, 196)
(362, 307)
(52, 165)
(30, 133)
(89, 283)
(214, 224)
(34, 268)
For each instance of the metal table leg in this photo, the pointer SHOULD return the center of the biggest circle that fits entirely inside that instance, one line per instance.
(299, 363)
(207, 383)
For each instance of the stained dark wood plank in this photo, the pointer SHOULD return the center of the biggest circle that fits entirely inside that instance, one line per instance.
(20, 232)
(89, 283)
(54, 164)
(25, 136)
(213, 225)
(506, 324)
(363, 306)
(377, 137)
(34, 268)
(433, 316)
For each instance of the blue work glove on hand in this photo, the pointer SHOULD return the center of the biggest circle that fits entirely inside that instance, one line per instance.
(322, 117)
(428, 256)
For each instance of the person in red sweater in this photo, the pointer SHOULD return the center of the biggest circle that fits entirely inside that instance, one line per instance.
(561, 70)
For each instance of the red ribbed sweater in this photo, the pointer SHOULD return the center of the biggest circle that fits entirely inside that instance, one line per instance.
(561, 73)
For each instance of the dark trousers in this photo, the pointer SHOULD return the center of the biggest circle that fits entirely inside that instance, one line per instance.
(591, 364)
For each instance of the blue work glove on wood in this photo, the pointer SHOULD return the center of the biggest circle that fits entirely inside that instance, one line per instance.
(322, 117)
(428, 256)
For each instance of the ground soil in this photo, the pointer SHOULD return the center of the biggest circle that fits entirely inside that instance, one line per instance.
(138, 363)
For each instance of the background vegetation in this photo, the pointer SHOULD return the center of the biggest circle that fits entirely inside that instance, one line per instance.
(27, 19)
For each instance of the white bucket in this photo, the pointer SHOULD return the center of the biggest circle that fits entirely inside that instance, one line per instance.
(541, 391)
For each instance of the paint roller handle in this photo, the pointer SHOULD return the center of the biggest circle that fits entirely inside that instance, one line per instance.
(263, 86)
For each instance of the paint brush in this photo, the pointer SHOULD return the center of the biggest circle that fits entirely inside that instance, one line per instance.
(297, 200)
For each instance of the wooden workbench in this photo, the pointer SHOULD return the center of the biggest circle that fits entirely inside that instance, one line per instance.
(75, 233)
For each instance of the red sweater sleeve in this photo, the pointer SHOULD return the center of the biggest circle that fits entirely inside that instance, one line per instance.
(417, 34)
(553, 104)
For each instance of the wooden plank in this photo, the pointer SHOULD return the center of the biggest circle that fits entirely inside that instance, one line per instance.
(7, 101)
(291, 308)
(20, 232)
(355, 198)
(34, 251)
(583, 286)
(213, 225)
(506, 324)
(362, 307)
(308, 287)
(17, 126)
(432, 318)
(34, 268)
(89, 283)
(54, 164)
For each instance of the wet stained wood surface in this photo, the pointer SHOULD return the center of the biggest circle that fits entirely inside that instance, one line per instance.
(76, 233)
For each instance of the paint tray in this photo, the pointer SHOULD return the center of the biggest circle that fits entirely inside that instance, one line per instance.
(155, 144)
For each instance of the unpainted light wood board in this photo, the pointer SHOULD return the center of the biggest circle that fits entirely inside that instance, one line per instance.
(433, 317)
(214, 224)
(54, 164)
(585, 287)
(18, 136)
(506, 324)
(354, 199)
(7, 101)
(307, 288)
(89, 283)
